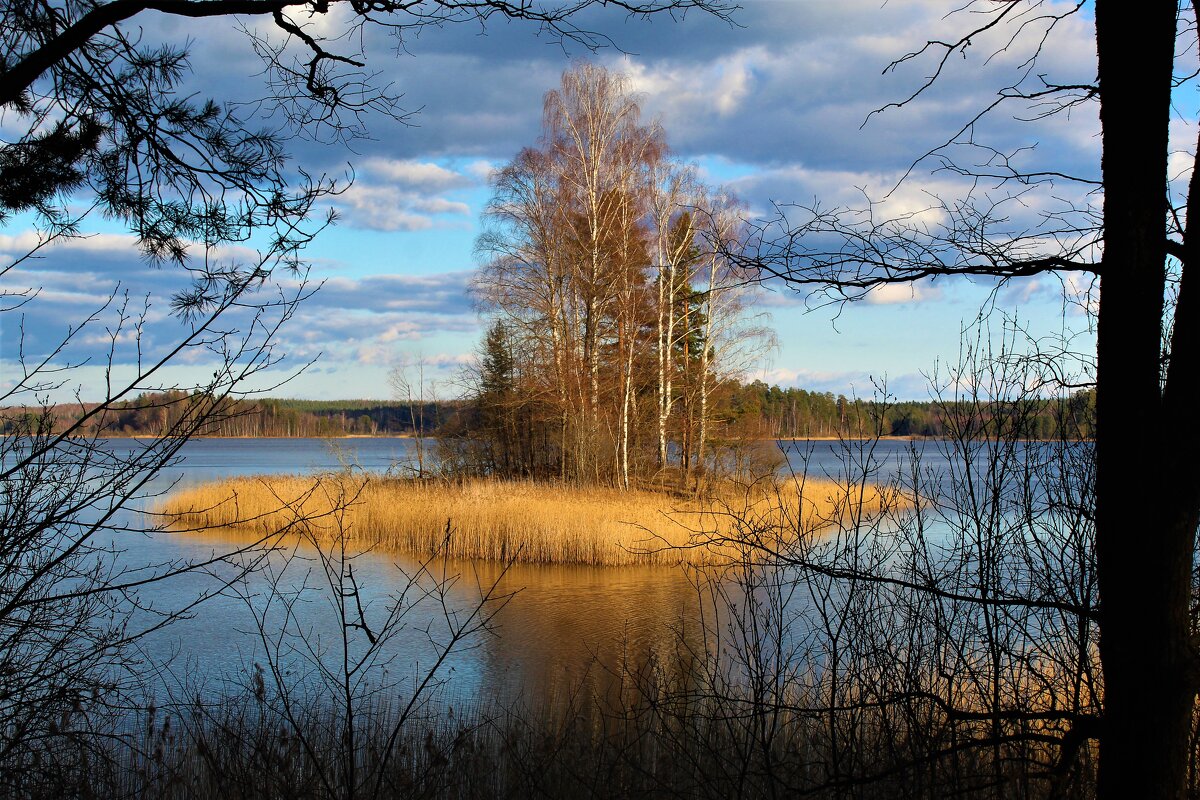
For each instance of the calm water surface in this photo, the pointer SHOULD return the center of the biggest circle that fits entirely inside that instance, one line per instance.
(562, 626)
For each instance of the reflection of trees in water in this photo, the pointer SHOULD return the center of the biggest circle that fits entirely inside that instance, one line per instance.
(565, 627)
(575, 627)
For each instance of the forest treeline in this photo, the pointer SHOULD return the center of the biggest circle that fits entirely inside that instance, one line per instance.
(740, 410)
(793, 413)
(152, 414)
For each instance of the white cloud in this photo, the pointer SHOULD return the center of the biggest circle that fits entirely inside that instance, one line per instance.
(406, 329)
(439, 205)
(25, 241)
(381, 208)
(115, 244)
(480, 169)
(373, 354)
(394, 195)
(858, 384)
(893, 293)
(408, 172)
(694, 92)
(443, 360)
(19, 244)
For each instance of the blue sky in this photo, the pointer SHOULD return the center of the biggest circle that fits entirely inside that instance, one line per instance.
(773, 107)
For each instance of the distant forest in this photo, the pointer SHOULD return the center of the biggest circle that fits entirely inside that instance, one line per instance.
(751, 409)
(797, 413)
(152, 414)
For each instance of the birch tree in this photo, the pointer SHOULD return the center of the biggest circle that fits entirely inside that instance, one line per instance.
(593, 132)
(594, 247)
(672, 191)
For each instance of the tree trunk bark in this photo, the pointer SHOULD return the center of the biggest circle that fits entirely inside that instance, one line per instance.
(711, 308)
(1144, 531)
(665, 290)
(626, 398)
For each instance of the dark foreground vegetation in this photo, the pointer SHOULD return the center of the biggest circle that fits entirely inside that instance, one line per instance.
(663, 742)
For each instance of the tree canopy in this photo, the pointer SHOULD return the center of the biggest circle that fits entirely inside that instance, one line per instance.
(614, 315)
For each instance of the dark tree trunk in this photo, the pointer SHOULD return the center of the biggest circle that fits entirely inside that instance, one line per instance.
(1145, 509)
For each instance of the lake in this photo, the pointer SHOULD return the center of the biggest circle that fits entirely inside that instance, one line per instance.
(562, 627)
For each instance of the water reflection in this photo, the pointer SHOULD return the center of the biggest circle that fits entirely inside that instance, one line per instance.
(569, 628)
(566, 628)
(558, 632)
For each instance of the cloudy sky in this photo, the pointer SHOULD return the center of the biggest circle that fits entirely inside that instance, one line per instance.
(777, 107)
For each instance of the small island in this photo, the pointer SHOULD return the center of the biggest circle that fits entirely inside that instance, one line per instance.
(521, 520)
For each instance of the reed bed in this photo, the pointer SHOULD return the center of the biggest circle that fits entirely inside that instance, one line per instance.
(519, 520)
(664, 742)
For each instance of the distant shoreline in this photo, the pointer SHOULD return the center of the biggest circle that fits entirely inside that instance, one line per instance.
(906, 438)
(278, 438)
(205, 436)
(790, 439)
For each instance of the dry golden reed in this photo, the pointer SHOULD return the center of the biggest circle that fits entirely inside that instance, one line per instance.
(514, 520)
